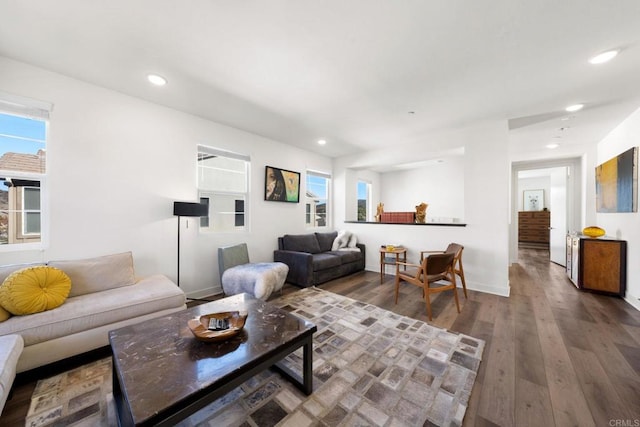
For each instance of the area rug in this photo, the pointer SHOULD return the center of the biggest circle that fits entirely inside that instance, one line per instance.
(371, 367)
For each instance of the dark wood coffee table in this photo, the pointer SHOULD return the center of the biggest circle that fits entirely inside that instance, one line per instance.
(162, 374)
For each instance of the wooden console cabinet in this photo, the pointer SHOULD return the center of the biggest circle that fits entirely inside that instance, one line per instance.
(598, 265)
(533, 226)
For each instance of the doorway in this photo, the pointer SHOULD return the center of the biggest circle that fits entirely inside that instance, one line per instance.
(543, 223)
(560, 183)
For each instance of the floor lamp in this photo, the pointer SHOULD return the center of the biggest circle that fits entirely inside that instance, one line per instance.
(188, 209)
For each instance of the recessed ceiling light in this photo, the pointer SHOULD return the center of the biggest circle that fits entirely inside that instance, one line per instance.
(157, 80)
(604, 57)
(322, 142)
(574, 108)
(553, 145)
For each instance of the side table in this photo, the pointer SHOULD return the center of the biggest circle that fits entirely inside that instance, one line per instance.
(386, 257)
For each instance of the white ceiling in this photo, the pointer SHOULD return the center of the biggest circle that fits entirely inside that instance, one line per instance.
(351, 71)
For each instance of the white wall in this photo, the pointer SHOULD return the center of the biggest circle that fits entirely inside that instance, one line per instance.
(624, 226)
(115, 165)
(440, 185)
(486, 205)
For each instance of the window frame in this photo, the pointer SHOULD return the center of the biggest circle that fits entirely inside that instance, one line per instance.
(368, 207)
(309, 212)
(27, 108)
(207, 195)
(26, 211)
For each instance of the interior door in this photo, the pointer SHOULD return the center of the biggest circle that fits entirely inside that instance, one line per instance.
(558, 220)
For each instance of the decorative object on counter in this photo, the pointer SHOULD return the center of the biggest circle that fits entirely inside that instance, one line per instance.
(217, 326)
(421, 212)
(593, 231)
(398, 217)
(379, 211)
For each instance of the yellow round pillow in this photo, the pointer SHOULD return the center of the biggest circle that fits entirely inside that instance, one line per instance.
(4, 314)
(34, 289)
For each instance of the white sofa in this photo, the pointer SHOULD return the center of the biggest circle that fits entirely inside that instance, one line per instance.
(10, 350)
(105, 295)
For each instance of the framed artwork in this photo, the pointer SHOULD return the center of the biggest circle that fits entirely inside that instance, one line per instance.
(533, 200)
(281, 185)
(617, 183)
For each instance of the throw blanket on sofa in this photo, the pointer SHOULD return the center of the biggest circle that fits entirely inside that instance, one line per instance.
(258, 279)
(345, 241)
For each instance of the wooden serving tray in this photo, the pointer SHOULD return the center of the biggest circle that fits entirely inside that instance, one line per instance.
(200, 325)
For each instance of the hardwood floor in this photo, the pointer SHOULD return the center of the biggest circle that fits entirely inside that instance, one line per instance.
(553, 355)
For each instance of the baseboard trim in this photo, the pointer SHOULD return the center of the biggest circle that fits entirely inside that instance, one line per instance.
(634, 301)
(206, 292)
(489, 289)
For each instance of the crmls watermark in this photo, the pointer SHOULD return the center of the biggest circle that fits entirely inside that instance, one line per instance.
(624, 423)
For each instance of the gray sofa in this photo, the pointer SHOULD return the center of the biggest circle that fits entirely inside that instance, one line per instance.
(311, 260)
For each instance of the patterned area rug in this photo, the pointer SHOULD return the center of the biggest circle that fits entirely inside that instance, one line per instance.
(371, 367)
(80, 397)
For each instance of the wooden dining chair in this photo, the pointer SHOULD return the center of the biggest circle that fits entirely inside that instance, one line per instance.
(457, 249)
(432, 270)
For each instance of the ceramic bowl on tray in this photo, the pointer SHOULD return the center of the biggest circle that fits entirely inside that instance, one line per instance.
(217, 326)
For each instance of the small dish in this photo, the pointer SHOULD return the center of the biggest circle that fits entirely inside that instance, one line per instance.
(233, 319)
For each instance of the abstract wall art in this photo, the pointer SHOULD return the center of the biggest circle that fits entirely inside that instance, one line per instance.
(617, 183)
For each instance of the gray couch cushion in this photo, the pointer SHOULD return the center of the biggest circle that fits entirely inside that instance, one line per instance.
(301, 243)
(325, 240)
(324, 261)
(347, 256)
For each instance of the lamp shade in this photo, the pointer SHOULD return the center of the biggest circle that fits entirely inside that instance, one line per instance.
(190, 209)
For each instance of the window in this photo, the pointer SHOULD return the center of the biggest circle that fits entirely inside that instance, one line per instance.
(364, 200)
(317, 199)
(31, 211)
(223, 185)
(22, 172)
